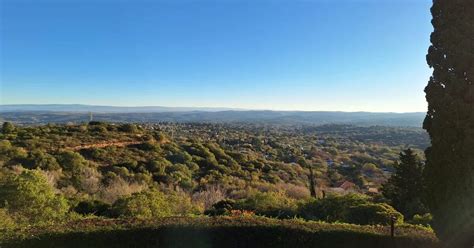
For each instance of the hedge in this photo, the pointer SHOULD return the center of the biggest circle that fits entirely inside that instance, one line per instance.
(216, 232)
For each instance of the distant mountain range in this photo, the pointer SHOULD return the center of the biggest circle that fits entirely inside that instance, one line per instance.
(58, 113)
(100, 109)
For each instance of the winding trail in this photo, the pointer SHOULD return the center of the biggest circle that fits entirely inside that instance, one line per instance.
(105, 144)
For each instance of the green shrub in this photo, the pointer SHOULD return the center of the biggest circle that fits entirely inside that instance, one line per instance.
(147, 204)
(154, 204)
(30, 196)
(221, 208)
(181, 204)
(352, 208)
(272, 204)
(6, 221)
(424, 220)
(332, 208)
(219, 232)
(38, 159)
(373, 213)
(128, 128)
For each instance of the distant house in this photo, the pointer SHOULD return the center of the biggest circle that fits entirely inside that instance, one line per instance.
(346, 185)
(372, 190)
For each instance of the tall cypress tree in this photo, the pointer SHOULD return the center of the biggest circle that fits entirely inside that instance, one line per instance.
(449, 172)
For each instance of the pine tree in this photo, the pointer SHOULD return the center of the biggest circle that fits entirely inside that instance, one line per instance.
(449, 172)
(404, 189)
(7, 127)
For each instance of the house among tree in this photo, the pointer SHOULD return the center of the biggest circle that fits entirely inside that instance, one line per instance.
(346, 185)
(344, 188)
(372, 191)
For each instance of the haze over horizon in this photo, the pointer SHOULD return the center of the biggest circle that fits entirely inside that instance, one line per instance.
(346, 55)
(83, 107)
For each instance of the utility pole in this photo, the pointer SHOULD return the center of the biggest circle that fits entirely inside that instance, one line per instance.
(392, 226)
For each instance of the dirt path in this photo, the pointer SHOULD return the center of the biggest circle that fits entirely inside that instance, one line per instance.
(105, 144)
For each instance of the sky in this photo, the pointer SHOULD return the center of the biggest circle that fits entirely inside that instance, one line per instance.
(333, 55)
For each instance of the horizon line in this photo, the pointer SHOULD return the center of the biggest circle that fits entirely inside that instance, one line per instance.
(216, 109)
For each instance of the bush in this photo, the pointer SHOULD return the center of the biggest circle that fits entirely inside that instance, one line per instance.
(272, 204)
(353, 208)
(6, 221)
(223, 207)
(29, 195)
(147, 204)
(94, 207)
(181, 204)
(424, 220)
(372, 214)
(38, 159)
(128, 128)
(332, 208)
(154, 204)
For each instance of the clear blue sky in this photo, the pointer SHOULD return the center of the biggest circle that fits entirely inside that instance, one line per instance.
(349, 55)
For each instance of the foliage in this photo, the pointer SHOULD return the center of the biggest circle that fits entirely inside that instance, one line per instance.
(6, 221)
(331, 208)
(424, 220)
(37, 159)
(180, 169)
(372, 214)
(144, 205)
(154, 204)
(352, 208)
(449, 172)
(85, 161)
(404, 192)
(7, 127)
(94, 207)
(223, 207)
(273, 204)
(29, 196)
(218, 232)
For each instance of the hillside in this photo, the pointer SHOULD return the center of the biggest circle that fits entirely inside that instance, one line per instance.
(83, 182)
(195, 156)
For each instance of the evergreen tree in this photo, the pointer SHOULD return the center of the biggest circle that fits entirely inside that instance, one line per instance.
(449, 171)
(7, 127)
(404, 189)
(312, 182)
